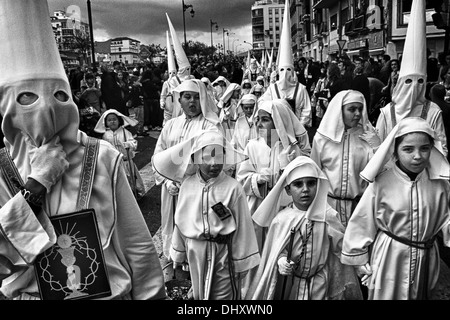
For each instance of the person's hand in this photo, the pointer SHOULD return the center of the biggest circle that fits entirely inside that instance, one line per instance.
(48, 162)
(370, 135)
(285, 268)
(287, 155)
(172, 188)
(264, 176)
(364, 272)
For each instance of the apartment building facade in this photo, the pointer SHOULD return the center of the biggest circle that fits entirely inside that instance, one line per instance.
(267, 22)
(69, 29)
(126, 50)
(362, 28)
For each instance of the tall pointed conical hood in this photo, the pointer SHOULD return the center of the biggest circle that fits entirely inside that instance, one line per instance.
(30, 62)
(248, 59)
(180, 55)
(18, 57)
(263, 59)
(285, 48)
(171, 67)
(414, 58)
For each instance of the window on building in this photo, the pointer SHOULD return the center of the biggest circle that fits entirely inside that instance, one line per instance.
(345, 15)
(404, 9)
(333, 22)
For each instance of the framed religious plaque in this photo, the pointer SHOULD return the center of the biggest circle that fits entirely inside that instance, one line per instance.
(74, 267)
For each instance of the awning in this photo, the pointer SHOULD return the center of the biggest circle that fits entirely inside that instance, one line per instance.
(353, 52)
(376, 51)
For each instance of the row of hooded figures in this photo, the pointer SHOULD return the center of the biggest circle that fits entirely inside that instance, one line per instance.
(255, 208)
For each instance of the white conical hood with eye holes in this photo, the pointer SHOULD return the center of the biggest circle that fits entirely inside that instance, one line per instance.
(410, 89)
(30, 62)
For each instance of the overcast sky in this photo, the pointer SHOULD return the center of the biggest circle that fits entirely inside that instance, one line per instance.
(145, 20)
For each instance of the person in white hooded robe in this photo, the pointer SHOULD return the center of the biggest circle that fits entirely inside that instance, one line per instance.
(281, 138)
(166, 98)
(210, 241)
(287, 86)
(47, 152)
(408, 99)
(390, 238)
(300, 259)
(342, 146)
(195, 112)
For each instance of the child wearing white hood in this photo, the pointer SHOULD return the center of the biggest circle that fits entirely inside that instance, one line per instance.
(112, 125)
(300, 259)
(218, 245)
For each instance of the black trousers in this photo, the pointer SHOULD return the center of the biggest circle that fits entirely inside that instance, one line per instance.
(153, 115)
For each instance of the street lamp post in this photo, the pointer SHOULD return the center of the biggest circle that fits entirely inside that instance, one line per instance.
(223, 39)
(185, 7)
(91, 32)
(212, 23)
(228, 37)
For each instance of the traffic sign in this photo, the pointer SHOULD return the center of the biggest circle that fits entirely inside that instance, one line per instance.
(341, 44)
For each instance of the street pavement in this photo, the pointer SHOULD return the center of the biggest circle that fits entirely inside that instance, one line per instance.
(150, 206)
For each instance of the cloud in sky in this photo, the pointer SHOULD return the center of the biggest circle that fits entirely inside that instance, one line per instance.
(145, 20)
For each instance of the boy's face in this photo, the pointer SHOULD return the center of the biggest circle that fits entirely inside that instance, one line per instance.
(210, 161)
(190, 103)
(303, 191)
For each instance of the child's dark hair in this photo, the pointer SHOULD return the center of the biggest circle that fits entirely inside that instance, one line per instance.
(399, 140)
(121, 123)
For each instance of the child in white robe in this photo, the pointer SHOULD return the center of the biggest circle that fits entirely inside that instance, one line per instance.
(112, 124)
(281, 138)
(198, 112)
(300, 259)
(245, 128)
(391, 234)
(342, 146)
(219, 246)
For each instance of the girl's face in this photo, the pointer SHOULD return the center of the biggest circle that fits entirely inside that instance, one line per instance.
(413, 152)
(265, 125)
(352, 112)
(120, 75)
(112, 122)
(303, 191)
(190, 103)
(210, 161)
(248, 109)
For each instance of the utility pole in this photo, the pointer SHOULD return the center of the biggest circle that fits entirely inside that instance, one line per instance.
(91, 32)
